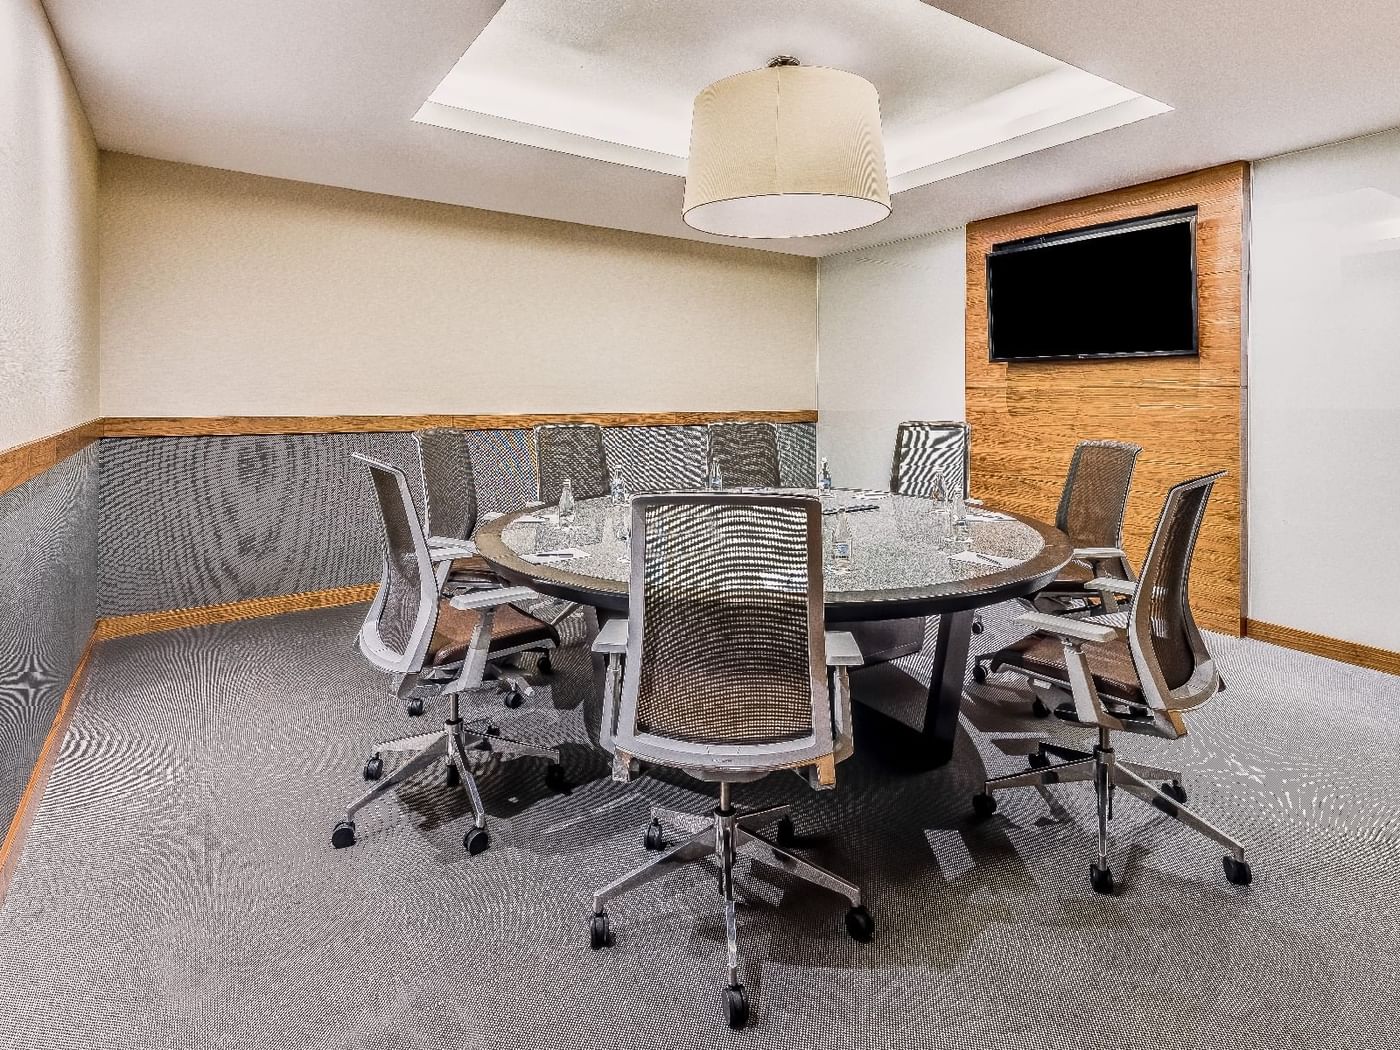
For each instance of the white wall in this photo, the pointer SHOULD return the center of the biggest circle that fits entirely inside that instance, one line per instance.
(229, 294)
(48, 243)
(1324, 391)
(890, 323)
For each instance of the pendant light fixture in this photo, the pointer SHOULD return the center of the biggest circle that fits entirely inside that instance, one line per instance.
(786, 151)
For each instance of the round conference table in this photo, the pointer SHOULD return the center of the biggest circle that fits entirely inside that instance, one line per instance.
(898, 576)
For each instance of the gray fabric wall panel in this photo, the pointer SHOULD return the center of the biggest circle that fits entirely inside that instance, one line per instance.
(48, 558)
(189, 521)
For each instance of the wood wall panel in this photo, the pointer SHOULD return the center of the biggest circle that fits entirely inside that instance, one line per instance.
(1186, 413)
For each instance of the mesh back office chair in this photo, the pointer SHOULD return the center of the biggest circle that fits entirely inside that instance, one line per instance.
(1092, 505)
(923, 451)
(574, 451)
(746, 454)
(450, 513)
(1136, 679)
(924, 454)
(726, 678)
(409, 629)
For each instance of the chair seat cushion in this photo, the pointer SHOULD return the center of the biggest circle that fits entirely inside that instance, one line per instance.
(1110, 664)
(509, 629)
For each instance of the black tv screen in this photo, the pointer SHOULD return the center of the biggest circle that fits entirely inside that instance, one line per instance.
(1125, 289)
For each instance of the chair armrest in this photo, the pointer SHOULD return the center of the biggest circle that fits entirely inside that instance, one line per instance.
(842, 650)
(441, 554)
(492, 598)
(612, 638)
(1064, 627)
(1127, 588)
(1097, 553)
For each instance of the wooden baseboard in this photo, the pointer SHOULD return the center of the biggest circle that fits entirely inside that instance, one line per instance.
(1321, 645)
(228, 612)
(13, 844)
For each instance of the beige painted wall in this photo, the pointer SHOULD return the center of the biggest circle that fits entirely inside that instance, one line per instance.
(48, 244)
(230, 294)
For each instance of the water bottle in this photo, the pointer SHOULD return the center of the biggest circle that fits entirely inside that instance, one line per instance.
(841, 550)
(824, 482)
(566, 503)
(716, 475)
(617, 487)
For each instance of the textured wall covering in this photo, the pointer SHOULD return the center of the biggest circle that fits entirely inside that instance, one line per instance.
(48, 557)
(190, 521)
(232, 294)
(48, 236)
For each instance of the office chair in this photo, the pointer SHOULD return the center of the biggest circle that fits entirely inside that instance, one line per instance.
(1136, 679)
(1092, 505)
(746, 453)
(409, 629)
(450, 518)
(923, 451)
(574, 451)
(725, 678)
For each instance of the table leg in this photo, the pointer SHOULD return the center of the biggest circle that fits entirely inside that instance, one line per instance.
(904, 722)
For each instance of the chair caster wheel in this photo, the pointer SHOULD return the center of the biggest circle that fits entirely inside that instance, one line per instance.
(654, 839)
(1237, 871)
(1037, 760)
(374, 768)
(736, 1006)
(1039, 709)
(475, 841)
(786, 832)
(414, 706)
(1176, 790)
(1101, 879)
(343, 835)
(979, 673)
(546, 664)
(600, 933)
(556, 781)
(983, 804)
(860, 925)
(513, 699)
(454, 775)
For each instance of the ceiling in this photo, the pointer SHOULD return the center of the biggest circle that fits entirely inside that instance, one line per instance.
(327, 93)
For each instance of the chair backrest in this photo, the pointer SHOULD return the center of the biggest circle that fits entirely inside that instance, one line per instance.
(449, 487)
(747, 454)
(401, 619)
(1169, 653)
(1095, 495)
(726, 651)
(923, 450)
(574, 451)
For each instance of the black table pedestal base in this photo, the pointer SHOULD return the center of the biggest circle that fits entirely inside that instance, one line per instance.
(906, 724)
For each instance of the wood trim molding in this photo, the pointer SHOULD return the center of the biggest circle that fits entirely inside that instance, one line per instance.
(13, 844)
(26, 462)
(228, 612)
(181, 426)
(1321, 645)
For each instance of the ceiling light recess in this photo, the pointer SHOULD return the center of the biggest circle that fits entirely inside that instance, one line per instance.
(786, 151)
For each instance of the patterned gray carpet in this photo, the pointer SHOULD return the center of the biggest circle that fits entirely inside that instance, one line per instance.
(178, 889)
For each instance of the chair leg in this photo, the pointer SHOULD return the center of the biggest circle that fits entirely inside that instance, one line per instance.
(770, 853)
(698, 846)
(456, 752)
(1152, 772)
(1068, 772)
(726, 846)
(504, 745)
(759, 818)
(430, 754)
(1104, 779)
(1134, 783)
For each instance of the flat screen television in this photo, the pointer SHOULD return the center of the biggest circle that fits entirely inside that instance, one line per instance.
(1123, 289)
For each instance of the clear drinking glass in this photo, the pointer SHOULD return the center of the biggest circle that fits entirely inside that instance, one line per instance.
(566, 503)
(842, 549)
